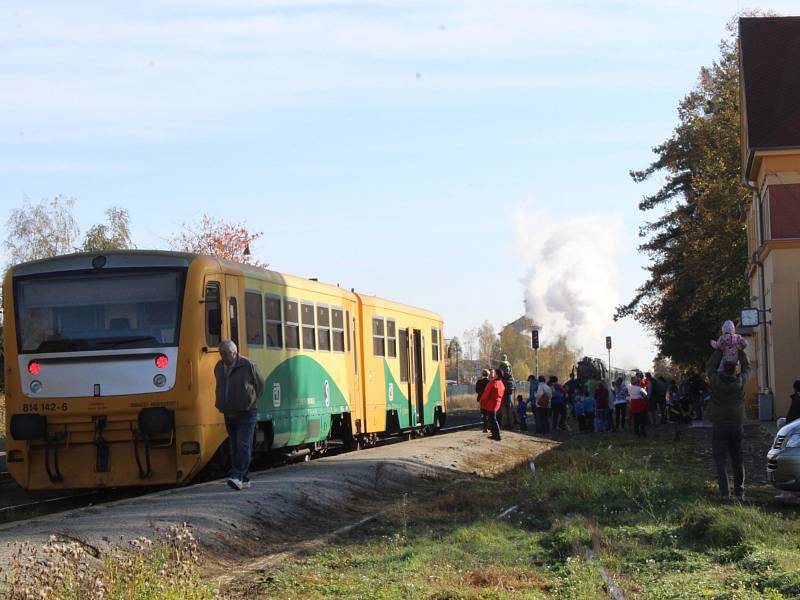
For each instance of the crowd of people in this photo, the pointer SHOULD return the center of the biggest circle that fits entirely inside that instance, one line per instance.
(640, 402)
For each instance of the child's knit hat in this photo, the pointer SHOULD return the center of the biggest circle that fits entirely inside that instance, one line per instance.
(728, 327)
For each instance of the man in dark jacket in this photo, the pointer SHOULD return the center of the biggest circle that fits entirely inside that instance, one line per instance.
(480, 385)
(238, 388)
(726, 413)
(507, 413)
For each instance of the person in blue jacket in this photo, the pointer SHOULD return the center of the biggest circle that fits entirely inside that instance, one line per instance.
(588, 410)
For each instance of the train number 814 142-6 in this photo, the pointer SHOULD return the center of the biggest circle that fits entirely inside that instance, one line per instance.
(44, 407)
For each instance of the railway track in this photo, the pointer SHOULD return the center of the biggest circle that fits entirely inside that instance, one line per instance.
(25, 508)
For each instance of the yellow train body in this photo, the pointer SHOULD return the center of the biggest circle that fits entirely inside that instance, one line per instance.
(88, 412)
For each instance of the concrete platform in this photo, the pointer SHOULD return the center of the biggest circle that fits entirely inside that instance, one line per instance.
(294, 502)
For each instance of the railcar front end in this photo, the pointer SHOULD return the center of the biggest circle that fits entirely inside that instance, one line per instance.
(102, 389)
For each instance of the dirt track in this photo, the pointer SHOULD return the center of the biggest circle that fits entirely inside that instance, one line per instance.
(294, 504)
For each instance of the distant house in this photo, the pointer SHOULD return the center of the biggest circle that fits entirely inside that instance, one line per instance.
(523, 326)
(770, 140)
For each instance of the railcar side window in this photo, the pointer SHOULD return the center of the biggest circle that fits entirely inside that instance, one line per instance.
(292, 324)
(378, 337)
(307, 320)
(403, 356)
(347, 318)
(254, 318)
(391, 338)
(323, 327)
(337, 328)
(213, 314)
(435, 344)
(274, 337)
(233, 313)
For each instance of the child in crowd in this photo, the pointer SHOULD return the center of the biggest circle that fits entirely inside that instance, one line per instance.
(730, 343)
(588, 410)
(522, 413)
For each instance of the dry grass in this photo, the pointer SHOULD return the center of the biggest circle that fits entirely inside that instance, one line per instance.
(462, 402)
(2, 415)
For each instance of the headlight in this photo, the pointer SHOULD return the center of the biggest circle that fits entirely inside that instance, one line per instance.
(159, 380)
(793, 441)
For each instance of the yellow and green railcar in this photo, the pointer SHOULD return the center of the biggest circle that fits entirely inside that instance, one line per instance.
(109, 365)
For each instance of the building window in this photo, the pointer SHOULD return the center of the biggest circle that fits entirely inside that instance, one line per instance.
(435, 344)
(337, 328)
(378, 337)
(292, 324)
(391, 338)
(307, 320)
(274, 324)
(254, 318)
(323, 327)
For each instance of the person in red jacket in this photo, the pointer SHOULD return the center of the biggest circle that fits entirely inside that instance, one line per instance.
(490, 402)
(638, 406)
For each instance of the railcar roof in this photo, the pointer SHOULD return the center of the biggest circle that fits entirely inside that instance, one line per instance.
(77, 261)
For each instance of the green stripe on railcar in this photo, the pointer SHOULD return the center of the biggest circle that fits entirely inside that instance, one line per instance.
(299, 398)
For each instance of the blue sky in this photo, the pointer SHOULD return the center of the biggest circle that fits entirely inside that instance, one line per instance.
(422, 151)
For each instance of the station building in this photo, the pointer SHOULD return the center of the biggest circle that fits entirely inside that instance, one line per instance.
(770, 142)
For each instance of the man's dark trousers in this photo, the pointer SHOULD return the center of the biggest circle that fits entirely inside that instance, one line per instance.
(494, 426)
(559, 415)
(241, 427)
(727, 440)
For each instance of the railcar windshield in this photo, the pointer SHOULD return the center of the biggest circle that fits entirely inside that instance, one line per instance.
(98, 311)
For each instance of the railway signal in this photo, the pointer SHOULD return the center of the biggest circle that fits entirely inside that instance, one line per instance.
(535, 339)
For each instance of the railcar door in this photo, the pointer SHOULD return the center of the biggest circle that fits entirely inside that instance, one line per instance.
(417, 395)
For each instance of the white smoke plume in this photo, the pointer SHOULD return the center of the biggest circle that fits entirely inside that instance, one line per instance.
(572, 280)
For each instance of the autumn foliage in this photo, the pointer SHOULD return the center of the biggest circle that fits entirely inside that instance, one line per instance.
(217, 237)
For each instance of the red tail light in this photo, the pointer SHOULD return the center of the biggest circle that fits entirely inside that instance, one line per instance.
(34, 368)
(162, 361)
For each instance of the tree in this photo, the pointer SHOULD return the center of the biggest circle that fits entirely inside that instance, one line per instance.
(115, 235)
(665, 368)
(471, 342)
(488, 346)
(518, 349)
(217, 237)
(41, 230)
(697, 248)
(557, 359)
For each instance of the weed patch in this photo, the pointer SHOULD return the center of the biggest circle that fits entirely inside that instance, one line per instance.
(68, 569)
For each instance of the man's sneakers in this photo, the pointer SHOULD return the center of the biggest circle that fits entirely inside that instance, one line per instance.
(239, 484)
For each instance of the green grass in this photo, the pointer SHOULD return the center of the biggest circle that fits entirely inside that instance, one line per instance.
(646, 508)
